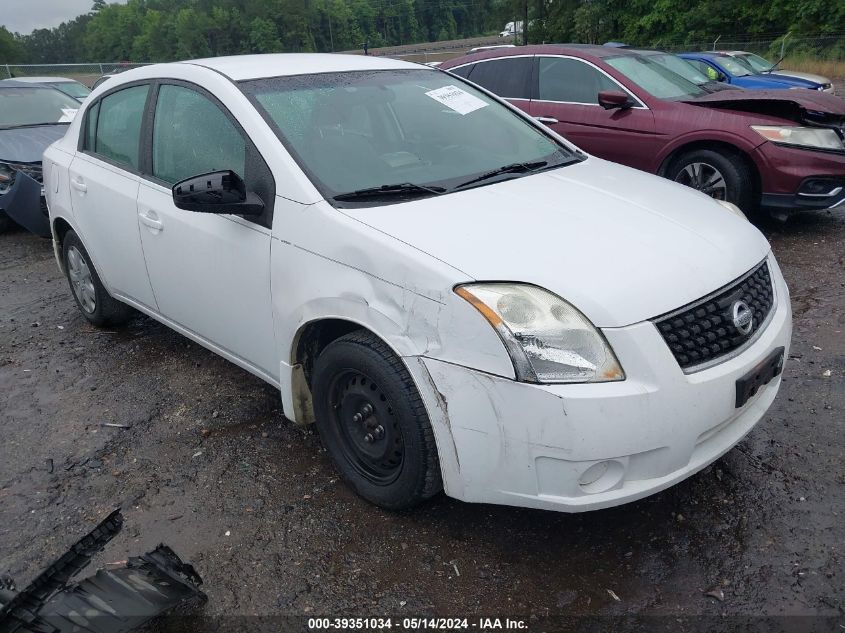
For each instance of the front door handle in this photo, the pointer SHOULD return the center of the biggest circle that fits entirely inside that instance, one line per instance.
(79, 185)
(151, 221)
(547, 120)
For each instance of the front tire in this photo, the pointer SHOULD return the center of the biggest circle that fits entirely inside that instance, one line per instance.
(92, 298)
(373, 422)
(720, 175)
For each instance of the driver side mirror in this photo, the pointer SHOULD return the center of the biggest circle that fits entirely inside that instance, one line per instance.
(216, 192)
(721, 77)
(614, 99)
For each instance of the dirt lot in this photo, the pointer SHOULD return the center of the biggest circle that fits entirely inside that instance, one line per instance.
(210, 466)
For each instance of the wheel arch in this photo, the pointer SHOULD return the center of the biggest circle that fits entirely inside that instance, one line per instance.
(715, 145)
(308, 342)
(60, 227)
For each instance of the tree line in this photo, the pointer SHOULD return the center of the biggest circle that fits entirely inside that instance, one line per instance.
(164, 30)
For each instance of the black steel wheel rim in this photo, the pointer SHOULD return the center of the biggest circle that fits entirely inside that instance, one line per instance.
(366, 428)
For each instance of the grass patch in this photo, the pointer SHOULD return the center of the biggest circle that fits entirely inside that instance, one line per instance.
(827, 68)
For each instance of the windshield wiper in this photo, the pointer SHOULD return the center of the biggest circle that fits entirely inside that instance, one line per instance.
(23, 125)
(513, 168)
(775, 65)
(386, 191)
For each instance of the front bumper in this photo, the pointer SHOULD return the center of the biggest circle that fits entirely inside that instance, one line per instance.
(785, 172)
(24, 202)
(582, 447)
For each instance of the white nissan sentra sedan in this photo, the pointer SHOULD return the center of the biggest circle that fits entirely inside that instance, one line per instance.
(458, 298)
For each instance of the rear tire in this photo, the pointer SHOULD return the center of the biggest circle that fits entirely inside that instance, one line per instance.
(92, 298)
(720, 174)
(373, 422)
(5, 222)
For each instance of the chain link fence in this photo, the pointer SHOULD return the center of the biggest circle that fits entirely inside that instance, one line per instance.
(84, 73)
(827, 51)
(825, 48)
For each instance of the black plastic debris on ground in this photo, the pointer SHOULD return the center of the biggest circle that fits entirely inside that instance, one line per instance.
(110, 601)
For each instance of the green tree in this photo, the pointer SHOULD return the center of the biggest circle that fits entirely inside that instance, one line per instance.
(11, 50)
(263, 37)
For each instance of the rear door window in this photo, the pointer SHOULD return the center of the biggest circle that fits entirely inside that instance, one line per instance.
(463, 71)
(509, 77)
(118, 135)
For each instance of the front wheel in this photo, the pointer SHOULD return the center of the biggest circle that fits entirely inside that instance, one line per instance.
(720, 175)
(92, 298)
(373, 423)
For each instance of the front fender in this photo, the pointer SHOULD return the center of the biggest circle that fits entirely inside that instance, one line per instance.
(406, 335)
(705, 136)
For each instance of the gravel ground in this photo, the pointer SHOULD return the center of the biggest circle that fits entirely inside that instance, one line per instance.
(210, 466)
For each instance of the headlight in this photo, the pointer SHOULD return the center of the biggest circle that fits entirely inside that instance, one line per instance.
(549, 341)
(821, 138)
(7, 177)
(730, 206)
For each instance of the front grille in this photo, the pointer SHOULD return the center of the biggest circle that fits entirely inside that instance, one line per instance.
(704, 331)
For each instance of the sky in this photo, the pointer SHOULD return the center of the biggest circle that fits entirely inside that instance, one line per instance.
(25, 15)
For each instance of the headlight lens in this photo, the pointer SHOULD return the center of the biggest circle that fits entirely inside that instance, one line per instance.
(822, 138)
(730, 206)
(7, 177)
(549, 340)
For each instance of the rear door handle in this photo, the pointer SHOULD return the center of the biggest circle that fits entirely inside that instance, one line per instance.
(547, 120)
(79, 185)
(151, 221)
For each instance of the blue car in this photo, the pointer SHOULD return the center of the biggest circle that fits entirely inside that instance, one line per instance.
(738, 73)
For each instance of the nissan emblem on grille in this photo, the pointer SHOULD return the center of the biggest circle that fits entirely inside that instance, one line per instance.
(742, 316)
(721, 323)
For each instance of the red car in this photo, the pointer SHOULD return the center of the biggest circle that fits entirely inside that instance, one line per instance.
(776, 150)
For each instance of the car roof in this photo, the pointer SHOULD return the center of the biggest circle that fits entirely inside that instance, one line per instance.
(242, 67)
(585, 51)
(42, 80)
(17, 83)
(708, 54)
(647, 51)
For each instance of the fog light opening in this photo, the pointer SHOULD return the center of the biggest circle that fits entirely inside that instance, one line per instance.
(601, 476)
(820, 188)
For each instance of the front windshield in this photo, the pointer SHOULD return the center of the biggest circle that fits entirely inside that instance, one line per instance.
(352, 131)
(34, 106)
(72, 88)
(759, 64)
(682, 67)
(736, 67)
(654, 78)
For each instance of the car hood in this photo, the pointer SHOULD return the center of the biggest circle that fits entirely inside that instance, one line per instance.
(717, 86)
(799, 75)
(27, 144)
(621, 245)
(772, 101)
(806, 107)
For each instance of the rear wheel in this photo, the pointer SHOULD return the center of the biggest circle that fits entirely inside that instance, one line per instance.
(92, 298)
(720, 175)
(5, 222)
(373, 423)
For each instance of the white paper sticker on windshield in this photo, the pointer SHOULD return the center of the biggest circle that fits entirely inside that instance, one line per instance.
(458, 100)
(67, 115)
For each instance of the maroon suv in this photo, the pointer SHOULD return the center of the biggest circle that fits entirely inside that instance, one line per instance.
(779, 150)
